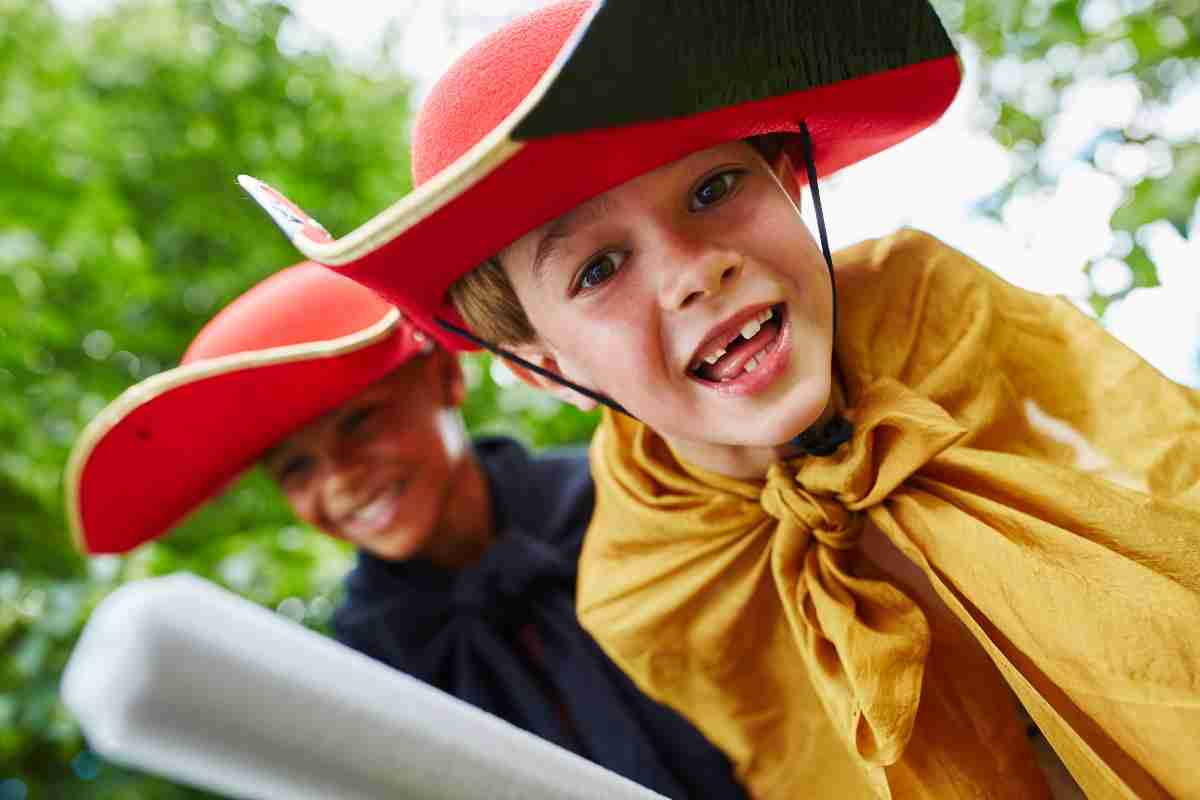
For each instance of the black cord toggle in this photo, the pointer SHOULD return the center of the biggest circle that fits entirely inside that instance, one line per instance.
(824, 440)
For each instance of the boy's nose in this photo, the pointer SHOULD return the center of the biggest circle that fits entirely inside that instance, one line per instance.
(345, 462)
(342, 486)
(702, 275)
(342, 459)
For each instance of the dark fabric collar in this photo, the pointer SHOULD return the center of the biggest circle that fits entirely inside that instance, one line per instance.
(549, 498)
(508, 467)
(467, 633)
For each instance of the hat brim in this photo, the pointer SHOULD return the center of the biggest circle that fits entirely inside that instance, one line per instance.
(171, 442)
(551, 153)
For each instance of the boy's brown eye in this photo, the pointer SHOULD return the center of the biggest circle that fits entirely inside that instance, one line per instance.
(713, 190)
(599, 270)
(295, 468)
(354, 420)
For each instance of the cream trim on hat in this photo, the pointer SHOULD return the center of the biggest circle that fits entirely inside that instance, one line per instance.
(477, 163)
(141, 393)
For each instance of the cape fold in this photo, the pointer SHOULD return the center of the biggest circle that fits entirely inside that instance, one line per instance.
(1043, 481)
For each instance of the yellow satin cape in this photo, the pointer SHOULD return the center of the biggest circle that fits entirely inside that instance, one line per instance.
(1041, 477)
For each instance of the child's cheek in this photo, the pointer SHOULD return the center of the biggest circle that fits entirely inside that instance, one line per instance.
(608, 348)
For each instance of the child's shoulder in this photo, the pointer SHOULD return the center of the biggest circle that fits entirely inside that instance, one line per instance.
(875, 268)
(907, 301)
(911, 272)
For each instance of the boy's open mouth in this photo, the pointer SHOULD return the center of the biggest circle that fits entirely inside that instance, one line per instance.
(376, 514)
(726, 357)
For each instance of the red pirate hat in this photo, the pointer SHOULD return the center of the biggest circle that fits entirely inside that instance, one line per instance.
(578, 97)
(292, 348)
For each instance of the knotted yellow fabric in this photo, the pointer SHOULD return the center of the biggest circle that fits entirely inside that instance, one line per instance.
(826, 608)
(1019, 504)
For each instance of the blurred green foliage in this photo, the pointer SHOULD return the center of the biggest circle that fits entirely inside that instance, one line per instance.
(122, 231)
(1035, 53)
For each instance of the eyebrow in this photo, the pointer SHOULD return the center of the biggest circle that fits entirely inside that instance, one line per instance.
(566, 226)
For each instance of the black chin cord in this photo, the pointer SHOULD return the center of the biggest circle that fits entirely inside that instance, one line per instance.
(822, 439)
(819, 440)
(529, 365)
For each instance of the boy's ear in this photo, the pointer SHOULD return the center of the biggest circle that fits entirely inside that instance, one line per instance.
(449, 375)
(535, 354)
(785, 170)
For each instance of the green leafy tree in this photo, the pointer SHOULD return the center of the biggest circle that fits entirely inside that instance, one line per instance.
(122, 232)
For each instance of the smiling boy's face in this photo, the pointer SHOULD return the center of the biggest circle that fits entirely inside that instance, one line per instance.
(693, 295)
(379, 470)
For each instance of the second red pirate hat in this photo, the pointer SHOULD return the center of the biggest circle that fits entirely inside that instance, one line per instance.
(293, 347)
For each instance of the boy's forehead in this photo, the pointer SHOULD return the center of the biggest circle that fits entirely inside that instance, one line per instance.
(404, 384)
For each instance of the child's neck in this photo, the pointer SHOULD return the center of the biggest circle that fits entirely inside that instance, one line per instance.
(467, 526)
(738, 461)
(746, 462)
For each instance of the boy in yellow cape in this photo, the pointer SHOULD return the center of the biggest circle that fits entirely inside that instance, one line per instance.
(839, 534)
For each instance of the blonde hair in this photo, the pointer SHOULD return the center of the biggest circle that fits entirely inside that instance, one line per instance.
(488, 303)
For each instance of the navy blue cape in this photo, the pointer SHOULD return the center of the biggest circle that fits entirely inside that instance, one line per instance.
(502, 634)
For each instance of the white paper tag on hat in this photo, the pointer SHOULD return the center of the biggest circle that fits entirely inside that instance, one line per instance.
(291, 219)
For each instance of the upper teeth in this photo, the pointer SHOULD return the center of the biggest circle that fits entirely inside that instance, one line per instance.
(373, 513)
(748, 331)
(751, 328)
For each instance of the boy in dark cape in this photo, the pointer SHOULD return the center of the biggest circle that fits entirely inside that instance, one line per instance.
(467, 564)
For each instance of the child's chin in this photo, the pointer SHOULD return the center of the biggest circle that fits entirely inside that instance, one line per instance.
(777, 436)
(764, 431)
(799, 411)
(398, 544)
